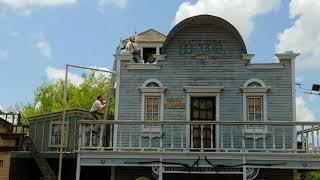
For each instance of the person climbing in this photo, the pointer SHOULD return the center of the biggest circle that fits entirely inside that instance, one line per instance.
(132, 47)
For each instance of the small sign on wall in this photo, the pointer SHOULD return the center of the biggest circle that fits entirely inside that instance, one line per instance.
(202, 49)
(175, 103)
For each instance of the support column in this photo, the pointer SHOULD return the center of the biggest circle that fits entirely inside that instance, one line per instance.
(113, 173)
(78, 168)
(244, 168)
(160, 169)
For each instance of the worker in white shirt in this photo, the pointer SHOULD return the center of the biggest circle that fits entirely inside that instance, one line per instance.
(96, 108)
(95, 111)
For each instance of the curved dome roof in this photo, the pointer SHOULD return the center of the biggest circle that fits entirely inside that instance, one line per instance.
(204, 18)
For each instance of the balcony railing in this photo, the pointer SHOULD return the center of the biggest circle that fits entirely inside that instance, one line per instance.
(200, 136)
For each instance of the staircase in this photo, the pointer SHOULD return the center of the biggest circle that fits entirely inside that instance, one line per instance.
(44, 167)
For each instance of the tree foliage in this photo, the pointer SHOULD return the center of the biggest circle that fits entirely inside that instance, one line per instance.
(49, 96)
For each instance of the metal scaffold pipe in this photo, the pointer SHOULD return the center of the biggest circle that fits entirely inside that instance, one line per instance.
(65, 94)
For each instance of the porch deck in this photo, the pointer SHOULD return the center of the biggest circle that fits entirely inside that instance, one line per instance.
(289, 145)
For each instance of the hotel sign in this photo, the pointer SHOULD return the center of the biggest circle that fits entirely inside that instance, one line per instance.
(202, 49)
(174, 103)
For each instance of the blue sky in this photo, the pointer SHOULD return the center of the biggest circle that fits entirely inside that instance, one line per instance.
(37, 38)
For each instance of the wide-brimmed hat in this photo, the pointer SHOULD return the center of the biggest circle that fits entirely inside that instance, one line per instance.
(132, 38)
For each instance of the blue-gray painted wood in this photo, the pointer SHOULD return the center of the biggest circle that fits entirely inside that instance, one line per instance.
(228, 70)
(36, 129)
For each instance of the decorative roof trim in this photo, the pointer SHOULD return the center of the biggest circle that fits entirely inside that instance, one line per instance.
(255, 89)
(159, 57)
(185, 22)
(265, 66)
(125, 56)
(247, 57)
(287, 55)
(203, 89)
(152, 89)
(142, 66)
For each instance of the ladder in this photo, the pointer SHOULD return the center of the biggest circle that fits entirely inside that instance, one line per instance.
(111, 91)
(43, 165)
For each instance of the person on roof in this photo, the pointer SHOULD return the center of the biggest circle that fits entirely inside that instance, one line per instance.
(132, 47)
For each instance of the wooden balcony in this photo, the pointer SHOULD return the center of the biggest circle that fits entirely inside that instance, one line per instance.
(264, 144)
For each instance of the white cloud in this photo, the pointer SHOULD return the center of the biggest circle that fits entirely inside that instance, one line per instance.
(43, 45)
(54, 74)
(240, 13)
(29, 3)
(102, 4)
(3, 54)
(303, 111)
(24, 7)
(304, 35)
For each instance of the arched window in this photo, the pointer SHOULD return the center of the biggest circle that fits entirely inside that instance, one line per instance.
(254, 103)
(254, 84)
(152, 103)
(152, 84)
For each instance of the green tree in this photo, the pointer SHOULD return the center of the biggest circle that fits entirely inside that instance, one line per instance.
(49, 96)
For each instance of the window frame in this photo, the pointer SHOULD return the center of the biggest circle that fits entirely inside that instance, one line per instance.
(251, 92)
(66, 130)
(151, 92)
(254, 107)
(152, 112)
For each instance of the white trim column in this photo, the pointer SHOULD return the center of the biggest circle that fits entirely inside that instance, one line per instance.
(116, 109)
(291, 56)
(244, 168)
(78, 168)
(160, 169)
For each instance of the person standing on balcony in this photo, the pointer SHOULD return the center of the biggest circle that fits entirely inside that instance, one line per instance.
(96, 108)
(132, 47)
(96, 113)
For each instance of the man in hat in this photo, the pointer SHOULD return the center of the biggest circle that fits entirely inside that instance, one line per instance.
(132, 47)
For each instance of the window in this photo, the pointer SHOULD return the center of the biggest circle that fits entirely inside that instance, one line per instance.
(254, 84)
(254, 109)
(152, 103)
(152, 84)
(55, 134)
(147, 55)
(152, 108)
(254, 103)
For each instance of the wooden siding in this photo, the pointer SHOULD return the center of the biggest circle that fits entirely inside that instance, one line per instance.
(4, 165)
(227, 70)
(40, 129)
